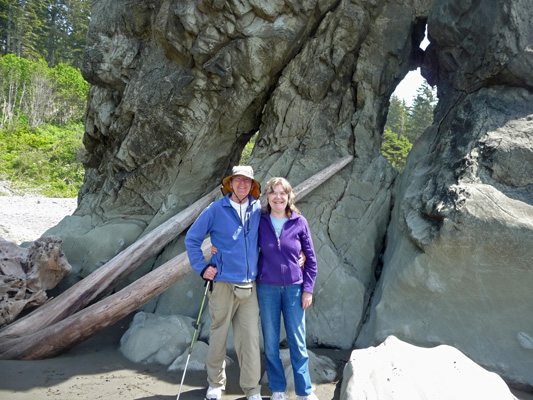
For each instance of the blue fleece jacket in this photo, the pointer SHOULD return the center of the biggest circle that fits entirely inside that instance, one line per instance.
(237, 254)
(278, 260)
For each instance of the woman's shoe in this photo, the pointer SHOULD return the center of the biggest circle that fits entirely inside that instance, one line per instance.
(311, 396)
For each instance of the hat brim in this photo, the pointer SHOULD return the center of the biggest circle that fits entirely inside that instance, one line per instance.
(226, 188)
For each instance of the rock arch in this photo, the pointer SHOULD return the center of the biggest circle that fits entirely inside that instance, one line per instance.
(178, 88)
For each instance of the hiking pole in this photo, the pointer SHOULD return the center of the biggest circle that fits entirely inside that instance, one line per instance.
(196, 326)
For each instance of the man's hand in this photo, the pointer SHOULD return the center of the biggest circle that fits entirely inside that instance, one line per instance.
(301, 260)
(210, 273)
(307, 299)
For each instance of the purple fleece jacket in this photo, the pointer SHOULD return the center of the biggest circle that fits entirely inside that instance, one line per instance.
(278, 259)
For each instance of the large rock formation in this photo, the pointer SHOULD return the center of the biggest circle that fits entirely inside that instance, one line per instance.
(179, 87)
(458, 259)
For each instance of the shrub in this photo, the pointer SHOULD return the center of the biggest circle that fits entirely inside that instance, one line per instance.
(395, 149)
(46, 159)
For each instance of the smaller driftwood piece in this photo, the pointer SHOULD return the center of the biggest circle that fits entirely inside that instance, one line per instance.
(27, 273)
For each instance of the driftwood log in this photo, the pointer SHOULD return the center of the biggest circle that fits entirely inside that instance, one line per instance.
(27, 273)
(109, 275)
(69, 319)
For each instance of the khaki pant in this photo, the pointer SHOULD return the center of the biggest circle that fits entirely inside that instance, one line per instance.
(225, 308)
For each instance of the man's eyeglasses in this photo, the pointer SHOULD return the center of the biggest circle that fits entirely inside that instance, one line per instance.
(242, 179)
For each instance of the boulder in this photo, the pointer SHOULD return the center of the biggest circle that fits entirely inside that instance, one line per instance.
(398, 370)
(155, 338)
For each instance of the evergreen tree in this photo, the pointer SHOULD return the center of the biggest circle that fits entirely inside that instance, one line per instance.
(406, 124)
(395, 149)
(24, 27)
(78, 18)
(53, 30)
(4, 12)
(396, 119)
(421, 112)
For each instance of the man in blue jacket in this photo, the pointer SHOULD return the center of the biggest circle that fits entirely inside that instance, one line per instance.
(232, 223)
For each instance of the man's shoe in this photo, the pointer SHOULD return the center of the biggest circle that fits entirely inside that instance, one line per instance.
(214, 393)
(311, 396)
(256, 396)
(278, 396)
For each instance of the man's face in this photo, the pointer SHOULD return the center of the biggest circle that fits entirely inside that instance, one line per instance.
(241, 185)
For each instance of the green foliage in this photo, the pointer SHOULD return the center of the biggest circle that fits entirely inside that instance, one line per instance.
(247, 151)
(395, 149)
(71, 92)
(31, 90)
(405, 124)
(412, 121)
(42, 108)
(47, 158)
(398, 114)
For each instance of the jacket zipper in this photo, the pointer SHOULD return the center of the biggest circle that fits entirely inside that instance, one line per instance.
(246, 222)
(243, 224)
(279, 247)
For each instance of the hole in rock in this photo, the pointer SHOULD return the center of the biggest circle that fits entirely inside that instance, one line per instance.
(410, 113)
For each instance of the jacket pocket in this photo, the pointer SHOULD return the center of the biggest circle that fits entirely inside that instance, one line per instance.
(296, 273)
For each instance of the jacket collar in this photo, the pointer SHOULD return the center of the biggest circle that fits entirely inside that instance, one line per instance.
(294, 215)
(226, 200)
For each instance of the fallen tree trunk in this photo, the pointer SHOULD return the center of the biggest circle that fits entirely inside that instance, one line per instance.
(109, 275)
(64, 328)
(56, 339)
(311, 183)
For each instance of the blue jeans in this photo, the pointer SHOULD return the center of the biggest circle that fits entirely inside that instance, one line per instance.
(273, 301)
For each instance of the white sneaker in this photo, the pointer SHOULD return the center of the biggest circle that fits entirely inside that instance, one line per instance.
(214, 393)
(256, 396)
(311, 396)
(278, 396)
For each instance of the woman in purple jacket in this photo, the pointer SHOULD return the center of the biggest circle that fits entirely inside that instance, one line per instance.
(283, 287)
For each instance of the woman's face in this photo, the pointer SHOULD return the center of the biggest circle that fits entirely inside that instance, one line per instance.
(278, 199)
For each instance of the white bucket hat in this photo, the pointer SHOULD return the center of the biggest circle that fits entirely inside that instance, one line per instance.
(244, 170)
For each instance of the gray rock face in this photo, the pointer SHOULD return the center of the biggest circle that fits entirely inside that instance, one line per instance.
(177, 91)
(308, 126)
(175, 97)
(458, 258)
(179, 87)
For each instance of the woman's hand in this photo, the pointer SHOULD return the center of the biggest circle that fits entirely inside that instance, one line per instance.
(214, 250)
(307, 299)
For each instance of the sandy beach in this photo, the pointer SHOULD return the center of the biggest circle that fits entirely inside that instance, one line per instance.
(25, 218)
(96, 369)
